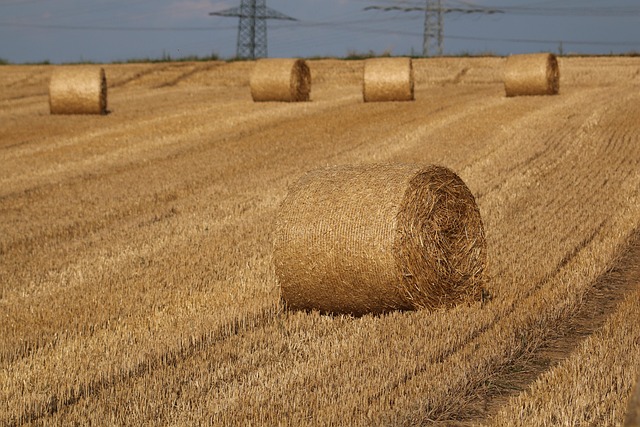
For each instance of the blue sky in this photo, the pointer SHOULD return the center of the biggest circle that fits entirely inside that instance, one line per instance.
(108, 30)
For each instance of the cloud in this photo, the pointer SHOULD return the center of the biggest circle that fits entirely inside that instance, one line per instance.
(188, 9)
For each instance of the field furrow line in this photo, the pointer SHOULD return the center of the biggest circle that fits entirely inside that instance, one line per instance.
(22, 79)
(185, 75)
(152, 75)
(20, 104)
(148, 70)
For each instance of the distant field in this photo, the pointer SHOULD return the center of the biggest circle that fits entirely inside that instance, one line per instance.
(136, 278)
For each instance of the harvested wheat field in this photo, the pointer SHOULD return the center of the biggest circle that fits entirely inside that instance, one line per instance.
(137, 282)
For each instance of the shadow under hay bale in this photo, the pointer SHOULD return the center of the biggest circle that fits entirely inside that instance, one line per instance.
(532, 74)
(284, 80)
(78, 90)
(388, 79)
(376, 238)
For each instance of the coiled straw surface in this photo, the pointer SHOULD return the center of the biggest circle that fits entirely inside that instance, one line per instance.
(532, 74)
(285, 80)
(375, 238)
(388, 79)
(78, 90)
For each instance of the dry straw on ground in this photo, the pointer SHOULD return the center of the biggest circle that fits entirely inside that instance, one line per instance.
(388, 79)
(286, 80)
(532, 74)
(78, 90)
(375, 238)
(632, 418)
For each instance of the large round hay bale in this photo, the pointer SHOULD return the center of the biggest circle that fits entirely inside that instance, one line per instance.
(78, 90)
(388, 79)
(532, 74)
(375, 238)
(285, 80)
(632, 418)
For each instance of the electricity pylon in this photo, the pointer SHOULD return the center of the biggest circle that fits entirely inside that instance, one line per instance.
(433, 28)
(252, 28)
(433, 36)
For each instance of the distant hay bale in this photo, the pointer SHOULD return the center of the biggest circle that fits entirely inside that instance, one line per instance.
(285, 80)
(388, 79)
(78, 90)
(632, 419)
(532, 74)
(376, 238)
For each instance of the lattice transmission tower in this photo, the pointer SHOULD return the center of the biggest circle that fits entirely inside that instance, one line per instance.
(252, 28)
(433, 36)
(433, 39)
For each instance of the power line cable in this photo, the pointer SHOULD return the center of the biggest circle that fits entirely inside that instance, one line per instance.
(547, 41)
(346, 26)
(112, 28)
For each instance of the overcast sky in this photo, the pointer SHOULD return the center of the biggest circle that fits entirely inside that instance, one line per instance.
(109, 30)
